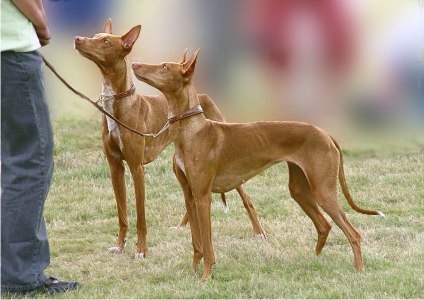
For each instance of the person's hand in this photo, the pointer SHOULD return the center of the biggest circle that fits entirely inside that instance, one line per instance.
(43, 35)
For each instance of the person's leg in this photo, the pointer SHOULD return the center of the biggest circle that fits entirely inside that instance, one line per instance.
(26, 166)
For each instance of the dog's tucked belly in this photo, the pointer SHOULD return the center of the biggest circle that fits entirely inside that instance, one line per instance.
(232, 176)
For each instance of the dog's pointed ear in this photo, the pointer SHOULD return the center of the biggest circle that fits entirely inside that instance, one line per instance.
(190, 65)
(108, 26)
(130, 37)
(183, 59)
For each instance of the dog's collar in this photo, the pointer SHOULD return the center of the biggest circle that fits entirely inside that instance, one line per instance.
(188, 113)
(128, 93)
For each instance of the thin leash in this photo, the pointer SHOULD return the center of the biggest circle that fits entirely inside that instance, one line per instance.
(95, 104)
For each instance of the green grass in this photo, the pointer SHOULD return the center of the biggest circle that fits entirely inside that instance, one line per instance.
(82, 224)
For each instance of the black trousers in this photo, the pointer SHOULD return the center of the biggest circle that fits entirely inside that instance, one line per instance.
(26, 171)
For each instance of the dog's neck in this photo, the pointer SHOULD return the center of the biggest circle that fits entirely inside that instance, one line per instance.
(116, 79)
(181, 101)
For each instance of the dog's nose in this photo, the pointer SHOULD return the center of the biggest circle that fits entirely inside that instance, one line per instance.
(78, 39)
(136, 65)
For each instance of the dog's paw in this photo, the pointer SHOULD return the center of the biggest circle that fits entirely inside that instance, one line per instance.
(115, 250)
(261, 236)
(139, 255)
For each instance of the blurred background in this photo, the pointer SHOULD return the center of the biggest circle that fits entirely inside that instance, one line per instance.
(333, 63)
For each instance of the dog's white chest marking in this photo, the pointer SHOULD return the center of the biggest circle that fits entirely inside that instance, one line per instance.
(108, 106)
(111, 124)
(180, 163)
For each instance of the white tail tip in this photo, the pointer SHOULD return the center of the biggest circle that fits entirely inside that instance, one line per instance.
(225, 208)
(381, 214)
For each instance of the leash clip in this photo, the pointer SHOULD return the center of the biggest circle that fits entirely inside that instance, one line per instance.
(100, 102)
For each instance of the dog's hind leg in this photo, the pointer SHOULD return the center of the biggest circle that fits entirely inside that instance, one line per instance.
(325, 193)
(183, 221)
(301, 193)
(257, 228)
(330, 204)
(224, 202)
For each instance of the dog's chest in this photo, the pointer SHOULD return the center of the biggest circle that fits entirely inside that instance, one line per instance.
(180, 162)
(112, 126)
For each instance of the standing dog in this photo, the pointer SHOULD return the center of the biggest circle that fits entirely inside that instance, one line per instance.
(144, 113)
(216, 157)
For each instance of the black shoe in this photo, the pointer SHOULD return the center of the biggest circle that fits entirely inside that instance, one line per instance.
(53, 286)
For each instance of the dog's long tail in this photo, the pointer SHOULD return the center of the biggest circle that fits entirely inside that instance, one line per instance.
(345, 190)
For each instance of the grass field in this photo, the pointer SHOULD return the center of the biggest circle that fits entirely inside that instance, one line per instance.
(82, 224)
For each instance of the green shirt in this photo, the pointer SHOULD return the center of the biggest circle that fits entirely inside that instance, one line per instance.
(17, 32)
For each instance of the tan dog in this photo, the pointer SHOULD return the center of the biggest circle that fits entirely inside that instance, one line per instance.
(215, 156)
(144, 113)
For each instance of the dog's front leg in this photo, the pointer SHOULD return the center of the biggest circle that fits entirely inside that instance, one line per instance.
(117, 172)
(191, 215)
(138, 179)
(203, 208)
(184, 184)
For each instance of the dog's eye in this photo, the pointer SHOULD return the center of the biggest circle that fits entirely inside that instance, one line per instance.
(106, 41)
(164, 66)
